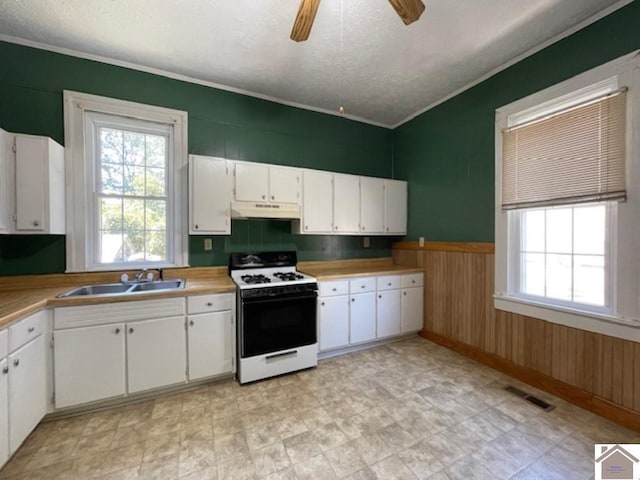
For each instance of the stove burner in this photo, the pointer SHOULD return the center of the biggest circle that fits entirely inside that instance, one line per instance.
(288, 276)
(252, 279)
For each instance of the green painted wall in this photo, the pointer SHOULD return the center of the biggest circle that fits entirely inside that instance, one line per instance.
(448, 154)
(220, 123)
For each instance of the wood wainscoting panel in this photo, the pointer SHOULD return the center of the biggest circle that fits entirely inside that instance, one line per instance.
(595, 371)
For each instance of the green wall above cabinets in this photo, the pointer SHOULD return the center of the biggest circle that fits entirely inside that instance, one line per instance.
(448, 152)
(221, 124)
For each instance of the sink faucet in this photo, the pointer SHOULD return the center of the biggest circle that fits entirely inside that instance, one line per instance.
(144, 276)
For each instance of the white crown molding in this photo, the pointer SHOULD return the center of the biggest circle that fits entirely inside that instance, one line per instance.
(177, 76)
(585, 23)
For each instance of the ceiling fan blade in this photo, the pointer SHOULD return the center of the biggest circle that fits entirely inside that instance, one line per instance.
(304, 20)
(408, 10)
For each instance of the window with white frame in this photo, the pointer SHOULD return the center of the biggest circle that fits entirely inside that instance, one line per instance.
(126, 165)
(567, 205)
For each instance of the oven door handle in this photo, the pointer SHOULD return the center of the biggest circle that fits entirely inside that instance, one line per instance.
(281, 355)
(279, 298)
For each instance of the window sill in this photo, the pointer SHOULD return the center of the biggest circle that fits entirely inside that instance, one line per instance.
(628, 329)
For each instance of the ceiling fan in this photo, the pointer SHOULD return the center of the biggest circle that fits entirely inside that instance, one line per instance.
(408, 10)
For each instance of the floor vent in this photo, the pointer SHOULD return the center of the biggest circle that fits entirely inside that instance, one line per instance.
(547, 407)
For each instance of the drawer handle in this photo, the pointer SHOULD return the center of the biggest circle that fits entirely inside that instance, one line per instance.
(209, 304)
(389, 284)
(280, 355)
(31, 329)
(16, 362)
(5, 370)
(333, 289)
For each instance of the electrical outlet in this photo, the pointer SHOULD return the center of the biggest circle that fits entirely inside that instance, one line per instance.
(421, 241)
(208, 244)
(365, 242)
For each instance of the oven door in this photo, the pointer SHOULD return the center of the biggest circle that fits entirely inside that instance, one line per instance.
(277, 323)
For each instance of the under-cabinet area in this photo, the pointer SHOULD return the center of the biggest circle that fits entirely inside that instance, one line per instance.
(356, 311)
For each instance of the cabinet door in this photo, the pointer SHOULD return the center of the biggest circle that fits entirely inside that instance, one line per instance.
(156, 353)
(412, 300)
(395, 207)
(210, 344)
(284, 185)
(317, 202)
(27, 390)
(31, 184)
(362, 317)
(210, 192)
(4, 412)
(252, 182)
(346, 203)
(388, 313)
(88, 364)
(6, 182)
(371, 205)
(333, 322)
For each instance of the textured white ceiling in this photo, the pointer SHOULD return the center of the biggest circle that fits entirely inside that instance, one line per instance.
(383, 72)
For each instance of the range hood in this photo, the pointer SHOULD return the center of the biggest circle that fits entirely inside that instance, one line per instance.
(264, 210)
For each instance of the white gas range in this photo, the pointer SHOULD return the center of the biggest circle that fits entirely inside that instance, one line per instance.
(277, 326)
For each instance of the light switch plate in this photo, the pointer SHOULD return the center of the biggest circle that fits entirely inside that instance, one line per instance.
(208, 244)
(421, 241)
(366, 242)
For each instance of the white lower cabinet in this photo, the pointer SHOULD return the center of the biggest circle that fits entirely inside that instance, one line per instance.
(27, 390)
(388, 313)
(156, 353)
(362, 317)
(89, 364)
(209, 337)
(412, 307)
(4, 412)
(333, 317)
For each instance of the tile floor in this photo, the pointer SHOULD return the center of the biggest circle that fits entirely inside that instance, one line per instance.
(406, 410)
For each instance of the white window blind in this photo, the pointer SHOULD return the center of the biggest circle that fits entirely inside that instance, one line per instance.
(573, 156)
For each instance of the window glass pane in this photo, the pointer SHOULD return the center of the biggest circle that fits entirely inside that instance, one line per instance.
(133, 245)
(134, 214)
(156, 151)
(111, 179)
(156, 245)
(558, 276)
(110, 145)
(133, 180)
(111, 214)
(589, 229)
(559, 227)
(156, 215)
(134, 148)
(111, 247)
(588, 274)
(156, 185)
(533, 274)
(533, 231)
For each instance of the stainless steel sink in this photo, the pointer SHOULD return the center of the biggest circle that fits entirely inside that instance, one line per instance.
(159, 285)
(124, 288)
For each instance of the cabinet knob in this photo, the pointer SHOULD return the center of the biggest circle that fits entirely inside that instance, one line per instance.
(5, 370)
(306, 227)
(116, 331)
(353, 299)
(16, 362)
(361, 286)
(333, 289)
(413, 281)
(264, 196)
(36, 223)
(379, 296)
(131, 330)
(389, 284)
(196, 227)
(191, 322)
(363, 229)
(31, 329)
(404, 293)
(387, 229)
(209, 304)
(273, 197)
(335, 227)
(322, 304)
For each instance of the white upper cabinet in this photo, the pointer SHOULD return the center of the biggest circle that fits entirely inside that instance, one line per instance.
(395, 207)
(252, 182)
(284, 185)
(210, 195)
(317, 202)
(371, 205)
(346, 203)
(32, 190)
(255, 182)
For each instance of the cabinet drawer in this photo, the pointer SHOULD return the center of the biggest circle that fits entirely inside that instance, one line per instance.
(362, 285)
(210, 303)
(389, 282)
(413, 280)
(27, 329)
(336, 287)
(4, 343)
